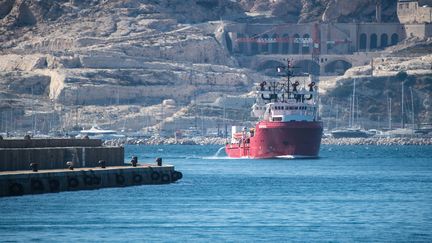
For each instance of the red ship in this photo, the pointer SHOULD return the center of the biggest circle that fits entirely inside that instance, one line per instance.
(288, 125)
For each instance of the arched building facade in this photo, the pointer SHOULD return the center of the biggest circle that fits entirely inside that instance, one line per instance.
(303, 39)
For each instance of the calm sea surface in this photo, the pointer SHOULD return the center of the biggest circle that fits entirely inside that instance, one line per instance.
(352, 193)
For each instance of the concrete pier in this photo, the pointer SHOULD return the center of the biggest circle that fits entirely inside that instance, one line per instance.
(33, 166)
(16, 183)
(17, 154)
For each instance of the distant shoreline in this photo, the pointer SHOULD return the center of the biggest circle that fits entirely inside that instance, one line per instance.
(325, 141)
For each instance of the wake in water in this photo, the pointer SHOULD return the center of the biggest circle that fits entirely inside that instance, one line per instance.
(218, 152)
(217, 155)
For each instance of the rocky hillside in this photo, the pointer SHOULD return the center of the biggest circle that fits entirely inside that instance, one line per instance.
(72, 62)
(305, 11)
(379, 87)
(68, 55)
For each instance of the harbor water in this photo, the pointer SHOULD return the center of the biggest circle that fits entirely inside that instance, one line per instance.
(351, 193)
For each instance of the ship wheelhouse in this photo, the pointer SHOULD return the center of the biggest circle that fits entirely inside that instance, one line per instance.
(288, 112)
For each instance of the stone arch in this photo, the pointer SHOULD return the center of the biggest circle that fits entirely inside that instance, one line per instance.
(394, 39)
(254, 46)
(241, 42)
(296, 46)
(384, 40)
(264, 43)
(305, 45)
(373, 41)
(337, 66)
(275, 44)
(285, 43)
(363, 41)
(306, 66)
(269, 67)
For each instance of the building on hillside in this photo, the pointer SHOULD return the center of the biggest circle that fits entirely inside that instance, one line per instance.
(414, 12)
(326, 48)
(416, 16)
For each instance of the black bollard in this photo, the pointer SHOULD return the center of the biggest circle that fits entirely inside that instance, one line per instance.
(70, 165)
(102, 163)
(34, 166)
(134, 161)
(159, 161)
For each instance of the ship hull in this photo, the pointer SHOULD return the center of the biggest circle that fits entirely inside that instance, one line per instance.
(296, 139)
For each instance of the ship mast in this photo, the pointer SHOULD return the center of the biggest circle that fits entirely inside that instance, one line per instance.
(289, 73)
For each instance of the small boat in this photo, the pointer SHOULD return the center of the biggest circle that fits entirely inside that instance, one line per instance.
(350, 133)
(98, 133)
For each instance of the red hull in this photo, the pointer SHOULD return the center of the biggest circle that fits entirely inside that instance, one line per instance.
(279, 139)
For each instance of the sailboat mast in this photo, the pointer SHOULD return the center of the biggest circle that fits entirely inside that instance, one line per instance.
(402, 106)
(350, 112)
(412, 108)
(357, 115)
(353, 104)
(337, 115)
(389, 113)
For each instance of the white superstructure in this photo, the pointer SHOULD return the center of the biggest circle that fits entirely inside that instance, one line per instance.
(284, 102)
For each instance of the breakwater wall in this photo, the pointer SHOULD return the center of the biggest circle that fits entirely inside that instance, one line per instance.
(47, 143)
(16, 183)
(383, 141)
(329, 141)
(17, 154)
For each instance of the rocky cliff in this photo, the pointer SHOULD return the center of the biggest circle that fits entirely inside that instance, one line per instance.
(381, 90)
(70, 62)
(305, 11)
